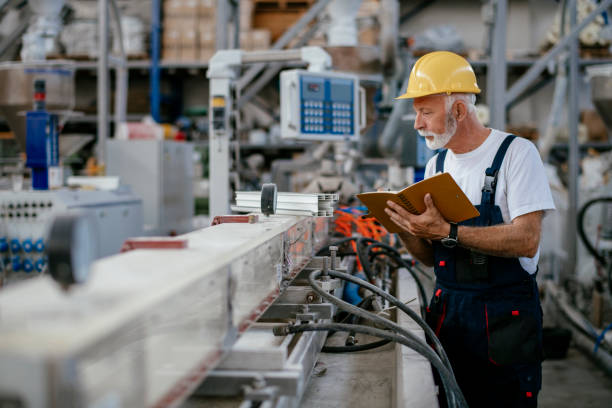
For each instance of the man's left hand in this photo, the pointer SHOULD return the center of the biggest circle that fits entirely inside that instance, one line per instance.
(429, 225)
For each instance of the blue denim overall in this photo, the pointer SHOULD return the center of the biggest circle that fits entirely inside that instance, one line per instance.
(486, 312)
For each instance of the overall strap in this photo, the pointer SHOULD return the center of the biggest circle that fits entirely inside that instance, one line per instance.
(440, 161)
(488, 190)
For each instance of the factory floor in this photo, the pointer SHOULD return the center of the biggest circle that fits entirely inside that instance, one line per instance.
(574, 382)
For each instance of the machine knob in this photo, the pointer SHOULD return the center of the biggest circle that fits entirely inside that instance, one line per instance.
(28, 266)
(27, 245)
(15, 245)
(39, 245)
(16, 263)
(39, 264)
(3, 245)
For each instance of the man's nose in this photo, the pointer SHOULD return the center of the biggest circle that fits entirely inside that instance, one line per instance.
(418, 122)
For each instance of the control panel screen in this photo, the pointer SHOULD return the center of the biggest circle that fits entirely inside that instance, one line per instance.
(327, 105)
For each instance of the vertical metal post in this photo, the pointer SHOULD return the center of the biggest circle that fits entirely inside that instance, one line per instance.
(221, 32)
(220, 135)
(573, 144)
(155, 50)
(496, 76)
(103, 80)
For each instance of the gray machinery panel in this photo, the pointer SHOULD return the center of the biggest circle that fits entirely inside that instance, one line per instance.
(161, 173)
(26, 215)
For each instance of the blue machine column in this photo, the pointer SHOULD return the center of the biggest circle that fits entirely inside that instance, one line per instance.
(42, 146)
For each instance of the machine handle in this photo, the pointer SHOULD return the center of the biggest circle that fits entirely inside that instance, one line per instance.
(362, 109)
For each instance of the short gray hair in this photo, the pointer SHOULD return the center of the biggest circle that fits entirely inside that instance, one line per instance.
(468, 98)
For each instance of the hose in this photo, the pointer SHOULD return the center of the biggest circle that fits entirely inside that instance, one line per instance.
(398, 258)
(400, 305)
(582, 234)
(370, 316)
(352, 349)
(454, 395)
(588, 245)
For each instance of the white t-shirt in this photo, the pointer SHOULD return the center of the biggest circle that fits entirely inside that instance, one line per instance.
(522, 186)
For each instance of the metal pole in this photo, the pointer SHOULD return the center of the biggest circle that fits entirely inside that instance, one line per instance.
(121, 71)
(103, 79)
(537, 68)
(573, 144)
(221, 34)
(496, 79)
(155, 96)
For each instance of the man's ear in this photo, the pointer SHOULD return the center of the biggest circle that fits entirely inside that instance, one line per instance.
(460, 110)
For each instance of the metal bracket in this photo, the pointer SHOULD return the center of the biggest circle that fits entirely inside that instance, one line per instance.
(296, 311)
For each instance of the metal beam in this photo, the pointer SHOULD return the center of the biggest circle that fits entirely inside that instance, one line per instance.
(573, 144)
(416, 10)
(103, 80)
(154, 82)
(537, 68)
(271, 71)
(497, 78)
(284, 40)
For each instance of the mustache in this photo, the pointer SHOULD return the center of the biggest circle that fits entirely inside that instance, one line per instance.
(425, 133)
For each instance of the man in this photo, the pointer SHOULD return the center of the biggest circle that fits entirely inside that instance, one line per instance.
(485, 306)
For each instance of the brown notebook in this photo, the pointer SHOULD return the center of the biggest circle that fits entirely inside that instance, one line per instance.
(450, 200)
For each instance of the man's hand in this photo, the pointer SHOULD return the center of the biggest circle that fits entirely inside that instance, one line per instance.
(429, 225)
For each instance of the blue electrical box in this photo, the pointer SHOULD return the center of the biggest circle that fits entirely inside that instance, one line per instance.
(42, 149)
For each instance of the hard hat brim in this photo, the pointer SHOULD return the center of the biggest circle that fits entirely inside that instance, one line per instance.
(412, 95)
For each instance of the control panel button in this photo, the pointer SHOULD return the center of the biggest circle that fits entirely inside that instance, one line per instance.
(27, 245)
(39, 245)
(28, 265)
(15, 245)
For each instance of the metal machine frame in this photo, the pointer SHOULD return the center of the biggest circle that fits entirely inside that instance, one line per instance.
(222, 73)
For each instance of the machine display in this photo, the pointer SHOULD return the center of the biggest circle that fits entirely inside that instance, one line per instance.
(321, 105)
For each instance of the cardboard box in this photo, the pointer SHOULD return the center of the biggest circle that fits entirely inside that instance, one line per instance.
(246, 42)
(171, 37)
(189, 38)
(171, 8)
(207, 37)
(260, 39)
(208, 8)
(172, 53)
(206, 54)
(246, 15)
(190, 54)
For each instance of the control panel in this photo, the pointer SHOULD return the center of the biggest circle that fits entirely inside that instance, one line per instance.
(25, 217)
(321, 105)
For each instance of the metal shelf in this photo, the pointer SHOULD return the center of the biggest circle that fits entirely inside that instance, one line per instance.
(146, 64)
(94, 118)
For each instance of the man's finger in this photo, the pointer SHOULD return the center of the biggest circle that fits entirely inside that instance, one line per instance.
(399, 209)
(428, 201)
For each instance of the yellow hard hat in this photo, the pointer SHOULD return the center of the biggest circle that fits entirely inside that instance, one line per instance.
(440, 72)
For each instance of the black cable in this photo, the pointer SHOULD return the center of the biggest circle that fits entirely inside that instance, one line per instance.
(358, 347)
(325, 250)
(367, 315)
(454, 395)
(398, 258)
(588, 245)
(582, 234)
(399, 304)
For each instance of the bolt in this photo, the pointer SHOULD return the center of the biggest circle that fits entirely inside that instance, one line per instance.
(332, 251)
(325, 272)
(310, 298)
